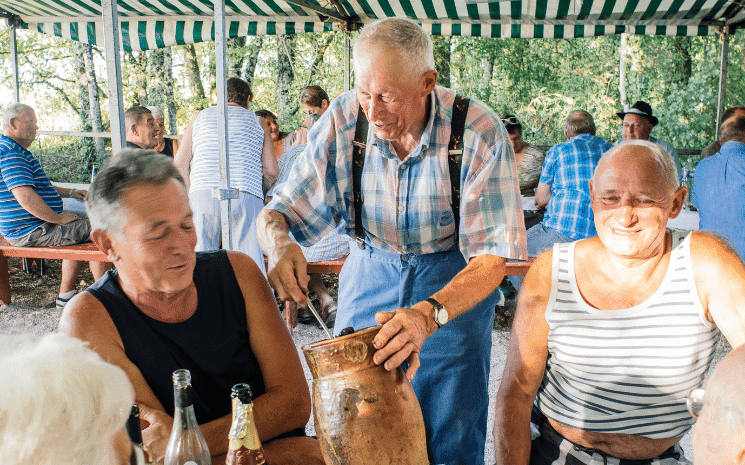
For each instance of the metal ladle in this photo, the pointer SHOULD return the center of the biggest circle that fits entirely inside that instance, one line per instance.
(318, 317)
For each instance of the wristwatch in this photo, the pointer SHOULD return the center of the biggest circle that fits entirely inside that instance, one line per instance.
(440, 312)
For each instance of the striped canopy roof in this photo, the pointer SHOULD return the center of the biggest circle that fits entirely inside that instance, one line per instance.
(148, 24)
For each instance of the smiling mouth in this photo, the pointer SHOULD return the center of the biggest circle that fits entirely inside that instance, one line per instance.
(623, 232)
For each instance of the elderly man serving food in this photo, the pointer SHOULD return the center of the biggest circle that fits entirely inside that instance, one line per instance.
(613, 332)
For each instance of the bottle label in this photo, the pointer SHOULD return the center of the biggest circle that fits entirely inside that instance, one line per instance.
(191, 462)
(243, 432)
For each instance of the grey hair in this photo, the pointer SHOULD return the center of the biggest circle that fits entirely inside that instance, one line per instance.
(14, 110)
(579, 122)
(663, 159)
(125, 169)
(60, 402)
(402, 34)
(156, 111)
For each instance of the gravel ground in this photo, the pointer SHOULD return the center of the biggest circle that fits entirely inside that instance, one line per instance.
(27, 315)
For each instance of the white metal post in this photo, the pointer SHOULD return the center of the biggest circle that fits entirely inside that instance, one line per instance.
(14, 60)
(114, 74)
(721, 100)
(225, 193)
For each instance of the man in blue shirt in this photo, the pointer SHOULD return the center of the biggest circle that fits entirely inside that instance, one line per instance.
(564, 189)
(31, 209)
(719, 186)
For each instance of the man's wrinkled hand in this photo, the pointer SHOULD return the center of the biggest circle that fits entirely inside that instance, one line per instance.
(400, 339)
(79, 194)
(68, 217)
(288, 273)
(155, 435)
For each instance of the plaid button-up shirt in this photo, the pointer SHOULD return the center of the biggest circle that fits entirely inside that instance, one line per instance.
(407, 204)
(568, 168)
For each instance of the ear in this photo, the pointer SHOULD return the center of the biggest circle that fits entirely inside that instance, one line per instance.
(592, 189)
(105, 244)
(740, 457)
(324, 104)
(679, 199)
(133, 129)
(429, 80)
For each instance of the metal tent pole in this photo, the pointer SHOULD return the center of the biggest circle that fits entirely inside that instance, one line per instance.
(721, 100)
(224, 193)
(14, 60)
(114, 74)
(347, 64)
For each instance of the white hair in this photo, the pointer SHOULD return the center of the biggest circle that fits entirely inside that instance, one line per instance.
(14, 110)
(402, 34)
(665, 161)
(156, 111)
(60, 403)
(120, 172)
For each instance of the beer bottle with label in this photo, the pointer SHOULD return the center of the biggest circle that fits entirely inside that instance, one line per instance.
(186, 446)
(244, 447)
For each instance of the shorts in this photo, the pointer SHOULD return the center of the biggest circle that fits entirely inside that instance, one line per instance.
(51, 235)
(551, 448)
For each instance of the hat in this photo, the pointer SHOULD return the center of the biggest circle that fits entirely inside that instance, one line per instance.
(640, 108)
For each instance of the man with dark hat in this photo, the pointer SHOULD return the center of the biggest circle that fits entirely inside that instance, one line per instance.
(638, 122)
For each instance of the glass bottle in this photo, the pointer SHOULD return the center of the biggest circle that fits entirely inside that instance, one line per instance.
(244, 447)
(186, 446)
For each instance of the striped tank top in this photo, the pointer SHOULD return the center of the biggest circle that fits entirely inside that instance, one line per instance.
(626, 371)
(245, 144)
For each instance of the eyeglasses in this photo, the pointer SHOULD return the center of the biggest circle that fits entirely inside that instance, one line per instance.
(512, 120)
(695, 403)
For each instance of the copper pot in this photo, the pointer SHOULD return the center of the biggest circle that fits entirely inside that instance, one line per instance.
(364, 414)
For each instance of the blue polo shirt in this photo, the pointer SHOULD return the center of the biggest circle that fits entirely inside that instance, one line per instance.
(719, 194)
(19, 168)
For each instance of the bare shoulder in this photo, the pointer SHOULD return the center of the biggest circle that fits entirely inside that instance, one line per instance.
(86, 318)
(244, 267)
(710, 252)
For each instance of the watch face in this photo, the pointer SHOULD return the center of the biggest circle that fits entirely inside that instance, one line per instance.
(441, 316)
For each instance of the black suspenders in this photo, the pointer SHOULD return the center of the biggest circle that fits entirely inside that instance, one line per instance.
(455, 156)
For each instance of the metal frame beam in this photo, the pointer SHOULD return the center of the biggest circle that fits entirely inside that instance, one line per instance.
(114, 74)
(12, 24)
(224, 193)
(722, 94)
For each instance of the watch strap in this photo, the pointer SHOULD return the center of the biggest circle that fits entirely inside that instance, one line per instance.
(437, 306)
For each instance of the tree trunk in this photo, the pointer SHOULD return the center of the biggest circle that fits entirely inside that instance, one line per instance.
(441, 48)
(488, 64)
(170, 104)
(193, 75)
(252, 58)
(285, 74)
(236, 52)
(139, 68)
(157, 87)
(622, 74)
(683, 61)
(94, 102)
(87, 147)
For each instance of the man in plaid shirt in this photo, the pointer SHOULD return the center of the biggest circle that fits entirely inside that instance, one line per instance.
(431, 286)
(564, 189)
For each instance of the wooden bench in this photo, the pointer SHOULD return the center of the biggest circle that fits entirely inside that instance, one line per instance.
(518, 268)
(86, 252)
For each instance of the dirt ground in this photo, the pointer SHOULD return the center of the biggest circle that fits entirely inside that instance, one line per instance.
(33, 311)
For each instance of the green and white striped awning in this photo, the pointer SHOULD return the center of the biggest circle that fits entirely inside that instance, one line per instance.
(148, 24)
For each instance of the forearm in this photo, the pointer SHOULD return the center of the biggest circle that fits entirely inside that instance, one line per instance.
(512, 432)
(472, 284)
(272, 230)
(269, 166)
(32, 203)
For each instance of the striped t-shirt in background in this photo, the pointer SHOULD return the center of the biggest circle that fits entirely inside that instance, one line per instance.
(626, 371)
(245, 145)
(19, 168)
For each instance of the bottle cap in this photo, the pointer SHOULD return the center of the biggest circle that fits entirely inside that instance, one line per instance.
(242, 392)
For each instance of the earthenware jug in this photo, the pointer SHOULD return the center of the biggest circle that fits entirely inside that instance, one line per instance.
(364, 414)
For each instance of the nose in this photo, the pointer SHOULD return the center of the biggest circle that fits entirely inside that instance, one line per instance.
(625, 214)
(373, 109)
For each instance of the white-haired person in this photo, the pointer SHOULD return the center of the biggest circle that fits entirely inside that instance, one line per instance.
(166, 145)
(431, 247)
(612, 332)
(719, 434)
(61, 404)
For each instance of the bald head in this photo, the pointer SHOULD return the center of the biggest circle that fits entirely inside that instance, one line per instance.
(733, 129)
(663, 162)
(719, 434)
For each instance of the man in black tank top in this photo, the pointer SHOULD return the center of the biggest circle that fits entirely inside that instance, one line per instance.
(166, 307)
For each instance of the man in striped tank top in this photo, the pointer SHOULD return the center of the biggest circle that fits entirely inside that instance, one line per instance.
(613, 332)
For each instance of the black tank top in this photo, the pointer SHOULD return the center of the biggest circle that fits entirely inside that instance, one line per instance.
(213, 343)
